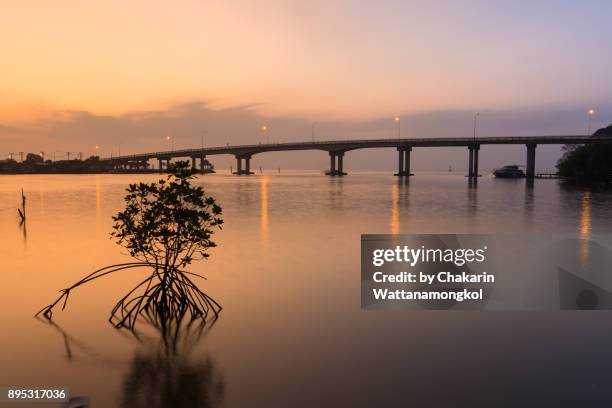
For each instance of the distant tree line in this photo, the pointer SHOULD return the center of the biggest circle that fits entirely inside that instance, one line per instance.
(35, 163)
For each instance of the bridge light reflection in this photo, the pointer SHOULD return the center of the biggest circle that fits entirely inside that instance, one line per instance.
(264, 210)
(394, 225)
(585, 227)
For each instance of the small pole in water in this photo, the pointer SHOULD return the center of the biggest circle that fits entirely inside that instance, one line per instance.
(279, 169)
(231, 170)
(260, 170)
(22, 211)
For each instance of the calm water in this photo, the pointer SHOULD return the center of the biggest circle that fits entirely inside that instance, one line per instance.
(286, 271)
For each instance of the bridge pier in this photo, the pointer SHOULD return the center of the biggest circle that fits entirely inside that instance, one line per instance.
(247, 165)
(193, 164)
(530, 167)
(403, 167)
(473, 161)
(336, 164)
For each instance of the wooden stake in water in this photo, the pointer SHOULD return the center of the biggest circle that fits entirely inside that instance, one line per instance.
(22, 210)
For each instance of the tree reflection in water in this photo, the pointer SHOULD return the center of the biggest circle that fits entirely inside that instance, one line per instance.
(169, 376)
(166, 371)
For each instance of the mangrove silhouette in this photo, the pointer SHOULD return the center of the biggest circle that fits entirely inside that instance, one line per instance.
(587, 163)
(165, 226)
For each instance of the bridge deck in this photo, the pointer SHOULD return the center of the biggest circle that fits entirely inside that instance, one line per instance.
(346, 145)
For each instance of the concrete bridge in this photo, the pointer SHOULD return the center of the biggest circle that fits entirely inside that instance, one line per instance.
(337, 148)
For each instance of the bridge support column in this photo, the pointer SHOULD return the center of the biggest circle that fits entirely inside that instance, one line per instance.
(403, 168)
(336, 164)
(530, 167)
(247, 165)
(470, 162)
(473, 161)
(161, 166)
(238, 165)
(193, 164)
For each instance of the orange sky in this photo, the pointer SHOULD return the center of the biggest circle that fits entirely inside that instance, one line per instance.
(334, 59)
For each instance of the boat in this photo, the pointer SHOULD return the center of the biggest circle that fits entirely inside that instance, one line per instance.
(510, 171)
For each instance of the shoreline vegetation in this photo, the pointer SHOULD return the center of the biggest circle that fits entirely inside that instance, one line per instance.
(587, 164)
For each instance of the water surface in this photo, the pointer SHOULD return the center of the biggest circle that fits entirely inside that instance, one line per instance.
(286, 271)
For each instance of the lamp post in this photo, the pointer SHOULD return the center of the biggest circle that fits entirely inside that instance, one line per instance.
(97, 149)
(171, 141)
(591, 112)
(475, 123)
(264, 131)
(399, 128)
(312, 132)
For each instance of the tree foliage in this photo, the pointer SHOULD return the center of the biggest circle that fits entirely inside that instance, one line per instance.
(587, 163)
(169, 223)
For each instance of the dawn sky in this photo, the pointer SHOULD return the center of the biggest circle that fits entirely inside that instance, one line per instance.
(76, 74)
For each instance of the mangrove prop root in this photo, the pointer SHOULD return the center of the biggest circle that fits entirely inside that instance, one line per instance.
(165, 295)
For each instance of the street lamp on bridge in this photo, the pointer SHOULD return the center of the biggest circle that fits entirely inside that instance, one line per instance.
(591, 112)
(399, 127)
(312, 133)
(264, 131)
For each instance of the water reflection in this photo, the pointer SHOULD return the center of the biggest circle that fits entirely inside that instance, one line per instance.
(22, 218)
(41, 199)
(164, 372)
(528, 205)
(266, 370)
(585, 227)
(472, 198)
(98, 203)
(336, 193)
(264, 209)
(168, 376)
(394, 226)
(72, 344)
